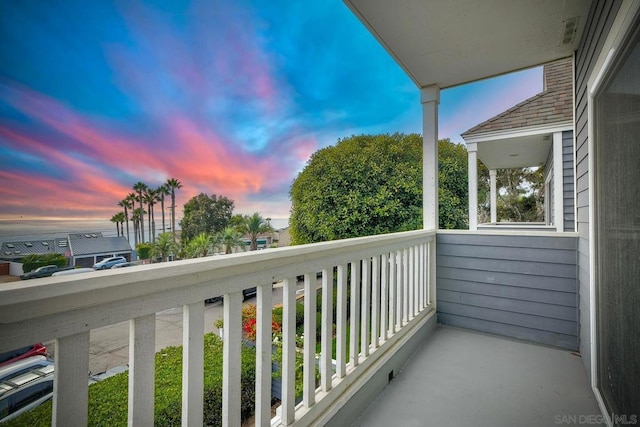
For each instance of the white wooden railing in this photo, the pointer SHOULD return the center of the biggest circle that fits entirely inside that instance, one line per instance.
(392, 288)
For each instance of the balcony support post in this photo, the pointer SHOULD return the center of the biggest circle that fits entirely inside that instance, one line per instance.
(309, 351)
(288, 351)
(326, 371)
(341, 322)
(263, 355)
(430, 98)
(494, 196)
(231, 360)
(71, 385)
(558, 190)
(473, 186)
(142, 349)
(193, 363)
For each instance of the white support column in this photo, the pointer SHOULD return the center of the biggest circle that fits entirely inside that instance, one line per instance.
(71, 385)
(193, 362)
(473, 186)
(430, 98)
(263, 355)
(494, 196)
(558, 202)
(231, 361)
(142, 347)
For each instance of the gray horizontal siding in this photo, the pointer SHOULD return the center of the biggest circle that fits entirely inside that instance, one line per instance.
(522, 286)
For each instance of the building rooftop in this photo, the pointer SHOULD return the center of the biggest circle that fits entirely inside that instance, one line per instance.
(553, 105)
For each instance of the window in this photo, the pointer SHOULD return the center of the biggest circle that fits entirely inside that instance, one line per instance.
(617, 225)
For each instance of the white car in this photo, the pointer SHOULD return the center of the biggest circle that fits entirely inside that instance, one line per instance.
(25, 391)
(73, 271)
(109, 262)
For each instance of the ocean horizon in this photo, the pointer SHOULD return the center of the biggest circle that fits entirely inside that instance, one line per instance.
(19, 229)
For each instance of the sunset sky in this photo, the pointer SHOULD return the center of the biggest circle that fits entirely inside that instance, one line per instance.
(229, 97)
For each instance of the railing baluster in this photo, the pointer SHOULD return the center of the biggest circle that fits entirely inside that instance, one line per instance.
(405, 286)
(432, 272)
(231, 360)
(422, 280)
(264, 319)
(410, 283)
(309, 365)
(416, 283)
(142, 343)
(288, 368)
(71, 383)
(375, 301)
(355, 314)
(326, 370)
(341, 322)
(365, 327)
(193, 363)
(400, 290)
(384, 292)
(393, 292)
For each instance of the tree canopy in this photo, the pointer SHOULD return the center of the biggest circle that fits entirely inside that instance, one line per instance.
(205, 214)
(372, 184)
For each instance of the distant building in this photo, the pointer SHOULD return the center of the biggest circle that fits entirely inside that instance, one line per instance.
(87, 249)
(81, 249)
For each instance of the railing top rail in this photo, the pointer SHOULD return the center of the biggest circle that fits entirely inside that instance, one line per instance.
(50, 296)
(499, 232)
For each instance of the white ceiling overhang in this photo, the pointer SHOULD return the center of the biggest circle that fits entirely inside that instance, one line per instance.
(526, 147)
(452, 42)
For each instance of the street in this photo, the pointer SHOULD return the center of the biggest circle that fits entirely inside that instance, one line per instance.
(109, 346)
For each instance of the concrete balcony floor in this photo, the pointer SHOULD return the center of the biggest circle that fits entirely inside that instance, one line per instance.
(463, 378)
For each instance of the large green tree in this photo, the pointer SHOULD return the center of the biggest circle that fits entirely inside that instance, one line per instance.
(205, 214)
(372, 184)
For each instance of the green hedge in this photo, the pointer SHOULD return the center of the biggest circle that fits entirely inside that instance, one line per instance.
(108, 398)
(31, 262)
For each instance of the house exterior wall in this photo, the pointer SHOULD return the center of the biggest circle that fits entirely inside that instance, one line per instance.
(567, 181)
(521, 285)
(597, 26)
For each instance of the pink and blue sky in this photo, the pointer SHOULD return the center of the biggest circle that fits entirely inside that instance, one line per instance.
(229, 97)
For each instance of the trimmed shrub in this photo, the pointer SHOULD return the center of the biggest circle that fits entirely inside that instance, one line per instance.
(31, 262)
(108, 398)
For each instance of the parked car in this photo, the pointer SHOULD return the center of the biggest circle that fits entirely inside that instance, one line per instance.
(125, 264)
(73, 271)
(246, 293)
(22, 353)
(109, 262)
(44, 271)
(26, 391)
(21, 366)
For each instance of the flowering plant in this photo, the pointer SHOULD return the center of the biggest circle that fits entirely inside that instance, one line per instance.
(249, 323)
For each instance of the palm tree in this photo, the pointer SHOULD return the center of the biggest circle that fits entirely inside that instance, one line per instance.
(173, 184)
(163, 246)
(121, 218)
(230, 238)
(202, 245)
(117, 221)
(126, 204)
(140, 188)
(150, 200)
(138, 225)
(252, 227)
(162, 191)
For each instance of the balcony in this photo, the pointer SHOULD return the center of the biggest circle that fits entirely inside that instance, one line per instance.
(511, 284)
